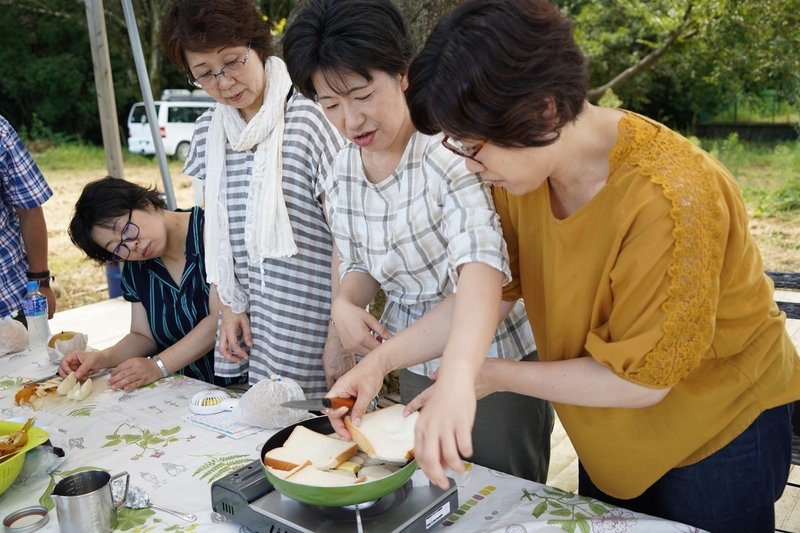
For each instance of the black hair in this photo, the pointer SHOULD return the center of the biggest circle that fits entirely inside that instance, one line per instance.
(508, 71)
(101, 202)
(337, 37)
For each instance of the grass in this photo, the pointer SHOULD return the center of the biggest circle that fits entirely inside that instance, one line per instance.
(769, 175)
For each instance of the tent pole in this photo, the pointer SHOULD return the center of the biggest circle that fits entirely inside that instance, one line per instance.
(149, 105)
(104, 85)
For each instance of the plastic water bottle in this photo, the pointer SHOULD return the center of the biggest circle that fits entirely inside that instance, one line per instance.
(34, 305)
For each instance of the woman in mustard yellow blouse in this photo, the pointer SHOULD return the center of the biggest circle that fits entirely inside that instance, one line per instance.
(661, 347)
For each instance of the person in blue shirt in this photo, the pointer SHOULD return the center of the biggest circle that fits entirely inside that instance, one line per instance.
(23, 230)
(174, 312)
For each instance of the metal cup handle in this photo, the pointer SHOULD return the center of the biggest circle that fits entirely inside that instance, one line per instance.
(118, 505)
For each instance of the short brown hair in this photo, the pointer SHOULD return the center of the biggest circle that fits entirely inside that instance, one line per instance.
(203, 25)
(490, 69)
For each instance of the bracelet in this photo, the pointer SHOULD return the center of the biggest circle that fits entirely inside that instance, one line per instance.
(38, 275)
(160, 364)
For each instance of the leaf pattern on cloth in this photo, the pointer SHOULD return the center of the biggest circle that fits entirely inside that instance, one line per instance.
(84, 410)
(221, 465)
(571, 512)
(145, 439)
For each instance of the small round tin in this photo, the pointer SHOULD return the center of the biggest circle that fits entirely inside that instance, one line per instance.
(26, 520)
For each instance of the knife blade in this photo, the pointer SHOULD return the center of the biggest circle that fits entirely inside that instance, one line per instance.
(320, 403)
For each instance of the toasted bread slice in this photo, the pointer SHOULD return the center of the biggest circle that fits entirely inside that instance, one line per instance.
(303, 445)
(287, 473)
(386, 434)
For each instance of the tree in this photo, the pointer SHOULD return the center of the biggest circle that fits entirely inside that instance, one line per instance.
(671, 59)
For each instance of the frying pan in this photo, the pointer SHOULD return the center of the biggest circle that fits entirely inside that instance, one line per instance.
(331, 496)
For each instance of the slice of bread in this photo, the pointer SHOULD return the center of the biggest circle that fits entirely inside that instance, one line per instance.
(310, 475)
(386, 434)
(306, 445)
(287, 473)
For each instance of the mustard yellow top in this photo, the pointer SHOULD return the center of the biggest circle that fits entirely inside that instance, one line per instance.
(658, 278)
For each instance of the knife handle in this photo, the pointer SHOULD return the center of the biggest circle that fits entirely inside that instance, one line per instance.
(336, 402)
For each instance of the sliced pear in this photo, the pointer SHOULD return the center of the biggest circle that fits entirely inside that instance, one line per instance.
(67, 384)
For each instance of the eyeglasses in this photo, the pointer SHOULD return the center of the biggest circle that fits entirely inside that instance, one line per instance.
(130, 232)
(458, 148)
(209, 80)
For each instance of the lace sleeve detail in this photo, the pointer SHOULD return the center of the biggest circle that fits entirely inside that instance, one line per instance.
(689, 184)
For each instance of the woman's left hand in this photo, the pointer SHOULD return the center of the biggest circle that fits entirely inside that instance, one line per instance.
(134, 373)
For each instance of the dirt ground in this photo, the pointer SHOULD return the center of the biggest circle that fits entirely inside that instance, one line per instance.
(79, 282)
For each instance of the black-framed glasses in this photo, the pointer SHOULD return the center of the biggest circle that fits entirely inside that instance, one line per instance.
(209, 80)
(458, 148)
(130, 232)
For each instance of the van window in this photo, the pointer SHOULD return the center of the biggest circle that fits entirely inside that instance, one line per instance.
(184, 114)
(139, 115)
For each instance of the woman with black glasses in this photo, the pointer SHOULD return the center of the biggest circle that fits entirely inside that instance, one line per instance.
(163, 277)
(261, 153)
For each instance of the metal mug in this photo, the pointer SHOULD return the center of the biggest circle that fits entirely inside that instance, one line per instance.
(85, 503)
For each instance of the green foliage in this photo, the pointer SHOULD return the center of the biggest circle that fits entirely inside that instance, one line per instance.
(723, 47)
(758, 108)
(768, 173)
(609, 99)
(726, 47)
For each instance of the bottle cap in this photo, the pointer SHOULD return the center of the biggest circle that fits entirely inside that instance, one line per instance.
(33, 286)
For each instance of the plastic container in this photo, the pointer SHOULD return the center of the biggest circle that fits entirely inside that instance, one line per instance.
(34, 305)
(114, 279)
(10, 468)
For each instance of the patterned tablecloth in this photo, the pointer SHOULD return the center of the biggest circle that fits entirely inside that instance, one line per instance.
(148, 434)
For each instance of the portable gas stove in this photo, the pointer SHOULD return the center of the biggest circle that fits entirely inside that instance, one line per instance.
(247, 498)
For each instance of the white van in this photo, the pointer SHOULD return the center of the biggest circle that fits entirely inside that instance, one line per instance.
(176, 111)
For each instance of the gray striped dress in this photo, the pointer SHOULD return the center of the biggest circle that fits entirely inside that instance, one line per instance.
(290, 307)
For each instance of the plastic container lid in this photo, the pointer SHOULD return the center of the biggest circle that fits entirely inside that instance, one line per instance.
(32, 286)
(26, 520)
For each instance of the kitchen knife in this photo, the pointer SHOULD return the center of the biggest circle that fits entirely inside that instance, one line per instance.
(320, 403)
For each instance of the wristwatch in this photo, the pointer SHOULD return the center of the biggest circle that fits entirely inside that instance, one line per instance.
(160, 364)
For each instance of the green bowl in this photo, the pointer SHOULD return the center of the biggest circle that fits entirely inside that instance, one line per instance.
(332, 496)
(10, 468)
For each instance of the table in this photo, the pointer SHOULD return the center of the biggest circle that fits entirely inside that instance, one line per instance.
(146, 433)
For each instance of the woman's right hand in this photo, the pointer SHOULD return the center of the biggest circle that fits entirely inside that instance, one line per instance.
(232, 327)
(84, 364)
(359, 331)
(363, 382)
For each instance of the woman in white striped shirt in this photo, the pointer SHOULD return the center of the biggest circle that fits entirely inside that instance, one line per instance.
(411, 220)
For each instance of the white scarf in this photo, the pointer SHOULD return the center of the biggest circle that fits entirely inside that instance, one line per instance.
(267, 230)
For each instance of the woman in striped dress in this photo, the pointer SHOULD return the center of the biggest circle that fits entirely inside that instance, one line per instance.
(163, 278)
(260, 153)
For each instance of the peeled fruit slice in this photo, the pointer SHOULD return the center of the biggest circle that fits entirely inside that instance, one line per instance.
(67, 384)
(63, 336)
(73, 389)
(85, 391)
